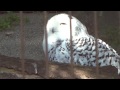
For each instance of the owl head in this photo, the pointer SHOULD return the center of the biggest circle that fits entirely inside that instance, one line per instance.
(58, 29)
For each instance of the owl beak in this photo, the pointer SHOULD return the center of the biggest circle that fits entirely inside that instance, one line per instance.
(59, 42)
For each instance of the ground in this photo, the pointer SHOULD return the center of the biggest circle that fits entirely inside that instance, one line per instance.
(10, 68)
(10, 63)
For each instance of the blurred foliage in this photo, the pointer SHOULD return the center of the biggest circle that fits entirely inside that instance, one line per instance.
(111, 36)
(108, 28)
(9, 20)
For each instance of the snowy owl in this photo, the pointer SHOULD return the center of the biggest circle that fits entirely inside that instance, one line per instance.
(84, 53)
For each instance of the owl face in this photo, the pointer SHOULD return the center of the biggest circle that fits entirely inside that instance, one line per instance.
(58, 29)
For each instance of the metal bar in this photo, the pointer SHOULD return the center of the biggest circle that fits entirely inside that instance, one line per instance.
(71, 44)
(46, 42)
(96, 44)
(101, 13)
(119, 22)
(119, 18)
(22, 44)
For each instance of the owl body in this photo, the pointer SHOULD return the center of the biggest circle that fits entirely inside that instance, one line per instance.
(83, 44)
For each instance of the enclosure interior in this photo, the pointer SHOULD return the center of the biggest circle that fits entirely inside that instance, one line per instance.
(33, 26)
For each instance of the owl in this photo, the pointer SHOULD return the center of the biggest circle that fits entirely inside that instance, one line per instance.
(83, 44)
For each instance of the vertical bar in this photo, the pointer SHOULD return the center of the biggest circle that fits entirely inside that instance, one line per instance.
(22, 44)
(46, 42)
(101, 13)
(96, 44)
(119, 18)
(71, 44)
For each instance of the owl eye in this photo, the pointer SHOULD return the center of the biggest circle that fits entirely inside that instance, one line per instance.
(62, 23)
(53, 31)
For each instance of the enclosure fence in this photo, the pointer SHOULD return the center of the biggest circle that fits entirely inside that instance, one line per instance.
(22, 40)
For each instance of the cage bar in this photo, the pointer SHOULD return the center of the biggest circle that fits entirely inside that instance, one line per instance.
(119, 18)
(71, 44)
(96, 42)
(22, 44)
(46, 42)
